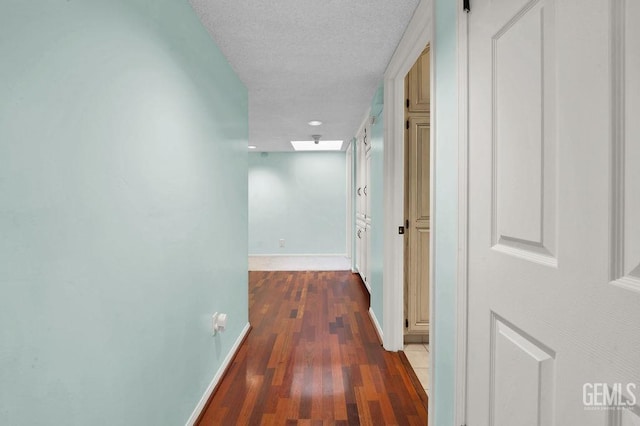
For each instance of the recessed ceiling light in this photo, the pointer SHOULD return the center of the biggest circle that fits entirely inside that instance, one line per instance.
(319, 146)
(315, 123)
(252, 147)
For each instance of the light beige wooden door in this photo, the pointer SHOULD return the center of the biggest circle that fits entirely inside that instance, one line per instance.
(418, 93)
(417, 200)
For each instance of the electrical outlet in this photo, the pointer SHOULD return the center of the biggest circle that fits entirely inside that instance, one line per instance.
(214, 323)
(281, 242)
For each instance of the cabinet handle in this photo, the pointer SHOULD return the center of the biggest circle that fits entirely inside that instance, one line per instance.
(359, 231)
(359, 191)
(365, 190)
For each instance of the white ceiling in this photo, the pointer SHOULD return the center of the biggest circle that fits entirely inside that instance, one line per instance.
(305, 60)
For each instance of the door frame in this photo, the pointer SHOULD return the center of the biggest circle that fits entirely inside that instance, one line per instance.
(416, 36)
(461, 297)
(420, 32)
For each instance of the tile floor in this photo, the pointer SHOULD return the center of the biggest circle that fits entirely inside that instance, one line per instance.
(299, 263)
(418, 356)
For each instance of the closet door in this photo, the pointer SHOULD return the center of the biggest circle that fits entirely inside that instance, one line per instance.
(554, 213)
(418, 220)
(417, 200)
(361, 178)
(418, 93)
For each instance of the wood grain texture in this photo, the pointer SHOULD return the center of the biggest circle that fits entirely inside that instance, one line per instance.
(313, 358)
(417, 199)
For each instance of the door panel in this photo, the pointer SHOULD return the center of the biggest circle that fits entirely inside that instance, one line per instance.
(361, 178)
(363, 217)
(626, 153)
(422, 170)
(419, 295)
(554, 202)
(522, 376)
(418, 86)
(522, 136)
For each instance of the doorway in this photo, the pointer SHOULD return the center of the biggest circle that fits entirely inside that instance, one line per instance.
(417, 202)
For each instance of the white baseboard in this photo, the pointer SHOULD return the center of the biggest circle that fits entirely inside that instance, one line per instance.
(218, 376)
(301, 255)
(376, 325)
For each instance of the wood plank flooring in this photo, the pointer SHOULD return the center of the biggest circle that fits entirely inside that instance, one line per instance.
(313, 358)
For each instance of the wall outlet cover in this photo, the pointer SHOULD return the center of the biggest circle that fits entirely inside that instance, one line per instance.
(214, 323)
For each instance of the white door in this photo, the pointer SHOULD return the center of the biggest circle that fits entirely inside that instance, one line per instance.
(554, 213)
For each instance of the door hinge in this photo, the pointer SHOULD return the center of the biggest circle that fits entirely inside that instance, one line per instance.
(407, 102)
(467, 8)
(407, 124)
(406, 224)
(406, 323)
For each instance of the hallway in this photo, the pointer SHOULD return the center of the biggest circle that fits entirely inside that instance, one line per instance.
(313, 357)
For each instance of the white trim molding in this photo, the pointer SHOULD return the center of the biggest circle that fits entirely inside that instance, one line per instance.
(345, 255)
(218, 376)
(414, 40)
(460, 395)
(376, 324)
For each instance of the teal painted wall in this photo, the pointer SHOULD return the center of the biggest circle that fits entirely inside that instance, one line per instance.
(300, 197)
(446, 209)
(123, 211)
(376, 258)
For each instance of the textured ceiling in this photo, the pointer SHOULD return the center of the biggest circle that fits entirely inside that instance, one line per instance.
(305, 60)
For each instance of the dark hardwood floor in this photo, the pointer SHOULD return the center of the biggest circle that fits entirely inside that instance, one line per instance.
(313, 358)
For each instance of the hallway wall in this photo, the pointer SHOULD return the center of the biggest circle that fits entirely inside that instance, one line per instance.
(123, 211)
(376, 173)
(299, 197)
(446, 210)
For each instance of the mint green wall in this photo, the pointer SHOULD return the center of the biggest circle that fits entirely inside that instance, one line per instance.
(123, 211)
(446, 209)
(300, 197)
(376, 175)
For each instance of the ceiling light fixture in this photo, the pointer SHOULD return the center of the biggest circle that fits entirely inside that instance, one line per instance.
(252, 147)
(317, 145)
(315, 123)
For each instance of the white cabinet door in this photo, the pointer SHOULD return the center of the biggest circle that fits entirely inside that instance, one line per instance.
(358, 242)
(554, 213)
(361, 250)
(365, 259)
(367, 186)
(366, 267)
(363, 217)
(361, 177)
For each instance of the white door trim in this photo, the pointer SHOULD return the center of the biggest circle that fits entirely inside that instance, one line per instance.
(460, 401)
(415, 38)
